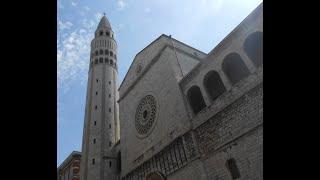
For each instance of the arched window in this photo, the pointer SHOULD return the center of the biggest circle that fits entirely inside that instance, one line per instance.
(106, 52)
(213, 84)
(106, 60)
(234, 67)
(196, 99)
(101, 60)
(96, 52)
(253, 46)
(101, 52)
(101, 33)
(108, 33)
(111, 62)
(155, 176)
(111, 53)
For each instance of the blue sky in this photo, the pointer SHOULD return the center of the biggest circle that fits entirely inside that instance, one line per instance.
(201, 24)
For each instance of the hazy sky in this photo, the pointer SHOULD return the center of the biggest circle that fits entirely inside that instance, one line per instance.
(201, 24)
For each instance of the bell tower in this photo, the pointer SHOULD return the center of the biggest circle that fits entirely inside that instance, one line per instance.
(101, 122)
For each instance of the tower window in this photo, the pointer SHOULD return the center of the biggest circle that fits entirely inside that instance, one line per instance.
(233, 169)
(95, 122)
(109, 82)
(108, 33)
(109, 163)
(109, 126)
(101, 60)
(115, 56)
(96, 107)
(109, 95)
(106, 60)
(110, 143)
(109, 109)
(111, 62)
(106, 52)
(101, 52)
(93, 161)
(111, 53)
(101, 33)
(96, 52)
(94, 141)
(97, 80)
(96, 92)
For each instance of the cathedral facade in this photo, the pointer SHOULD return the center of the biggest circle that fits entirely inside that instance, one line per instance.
(179, 113)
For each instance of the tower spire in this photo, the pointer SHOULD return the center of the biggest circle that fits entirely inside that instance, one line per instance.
(101, 122)
(104, 23)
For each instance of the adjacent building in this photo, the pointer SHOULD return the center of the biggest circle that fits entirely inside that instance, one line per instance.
(70, 168)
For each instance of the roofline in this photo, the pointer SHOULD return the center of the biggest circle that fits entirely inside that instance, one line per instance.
(135, 58)
(162, 35)
(190, 73)
(235, 29)
(67, 160)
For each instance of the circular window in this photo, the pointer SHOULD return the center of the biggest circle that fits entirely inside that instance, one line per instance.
(146, 115)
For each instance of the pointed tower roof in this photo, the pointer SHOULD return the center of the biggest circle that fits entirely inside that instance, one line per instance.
(104, 23)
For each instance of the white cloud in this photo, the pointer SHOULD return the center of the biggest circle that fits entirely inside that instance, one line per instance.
(64, 25)
(98, 16)
(73, 52)
(73, 3)
(121, 4)
(86, 8)
(73, 56)
(89, 24)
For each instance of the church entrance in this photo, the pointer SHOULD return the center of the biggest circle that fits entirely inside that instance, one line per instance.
(155, 176)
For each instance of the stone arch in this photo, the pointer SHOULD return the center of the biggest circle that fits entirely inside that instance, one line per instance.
(155, 176)
(234, 67)
(253, 47)
(213, 84)
(196, 99)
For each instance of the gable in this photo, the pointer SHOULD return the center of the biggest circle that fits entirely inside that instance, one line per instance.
(188, 57)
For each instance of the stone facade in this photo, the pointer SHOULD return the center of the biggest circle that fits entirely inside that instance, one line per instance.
(183, 114)
(221, 140)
